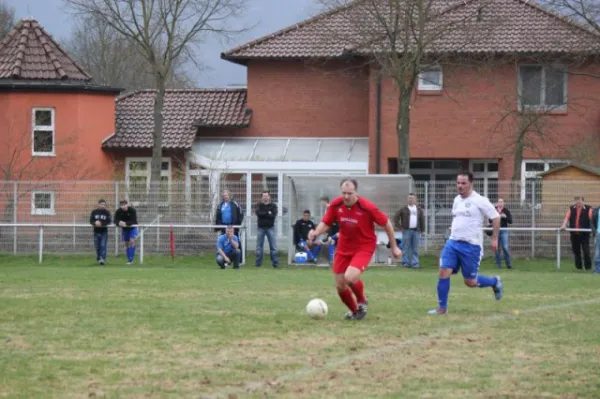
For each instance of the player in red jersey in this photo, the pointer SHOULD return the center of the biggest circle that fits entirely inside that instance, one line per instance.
(357, 243)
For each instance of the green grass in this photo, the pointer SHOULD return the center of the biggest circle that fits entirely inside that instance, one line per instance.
(69, 328)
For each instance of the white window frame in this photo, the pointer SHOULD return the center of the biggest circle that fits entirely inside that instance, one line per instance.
(542, 107)
(486, 174)
(534, 174)
(50, 128)
(146, 173)
(424, 85)
(40, 211)
(434, 172)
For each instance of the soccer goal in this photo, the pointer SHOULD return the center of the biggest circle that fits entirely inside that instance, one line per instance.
(303, 192)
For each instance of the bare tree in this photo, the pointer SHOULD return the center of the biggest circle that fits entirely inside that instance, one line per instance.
(115, 61)
(7, 18)
(401, 37)
(586, 12)
(163, 31)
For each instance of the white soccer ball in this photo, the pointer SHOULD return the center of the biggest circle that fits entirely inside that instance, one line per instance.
(316, 309)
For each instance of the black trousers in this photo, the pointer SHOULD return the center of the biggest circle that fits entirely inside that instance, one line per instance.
(581, 242)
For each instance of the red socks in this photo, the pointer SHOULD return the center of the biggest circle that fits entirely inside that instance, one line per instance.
(359, 290)
(348, 299)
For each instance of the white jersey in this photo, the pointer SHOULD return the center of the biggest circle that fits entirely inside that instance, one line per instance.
(468, 216)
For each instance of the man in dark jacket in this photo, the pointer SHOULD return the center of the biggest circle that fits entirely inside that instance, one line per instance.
(411, 221)
(595, 225)
(126, 218)
(301, 229)
(229, 213)
(505, 220)
(578, 217)
(100, 218)
(266, 211)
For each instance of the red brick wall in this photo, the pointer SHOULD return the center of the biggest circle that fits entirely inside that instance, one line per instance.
(465, 120)
(297, 99)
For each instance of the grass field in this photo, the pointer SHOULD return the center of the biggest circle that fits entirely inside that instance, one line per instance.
(69, 328)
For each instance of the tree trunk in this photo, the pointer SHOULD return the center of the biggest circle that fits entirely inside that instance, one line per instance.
(157, 136)
(519, 147)
(403, 128)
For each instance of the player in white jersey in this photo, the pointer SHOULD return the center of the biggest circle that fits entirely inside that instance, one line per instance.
(464, 249)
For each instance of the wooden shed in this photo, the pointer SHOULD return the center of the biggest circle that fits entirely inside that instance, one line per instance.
(561, 184)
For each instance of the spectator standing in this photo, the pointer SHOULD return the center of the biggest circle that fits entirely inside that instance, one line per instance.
(228, 249)
(505, 220)
(229, 212)
(266, 211)
(100, 218)
(578, 217)
(595, 224)
(411, 221)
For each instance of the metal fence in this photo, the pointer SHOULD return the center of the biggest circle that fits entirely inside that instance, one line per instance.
(538, 203)
(154, 239)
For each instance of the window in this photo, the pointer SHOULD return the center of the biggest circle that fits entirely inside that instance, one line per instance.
(485, 174)
(430, 78)
(530, 182)
(42, 203)
(542, 87)
(42, 130)
(271, 185)
(138, 179)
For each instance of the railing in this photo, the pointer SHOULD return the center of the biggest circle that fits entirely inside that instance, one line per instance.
(142, 230)
(557, 231)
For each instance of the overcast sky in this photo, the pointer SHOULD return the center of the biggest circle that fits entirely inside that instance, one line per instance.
(268, 16)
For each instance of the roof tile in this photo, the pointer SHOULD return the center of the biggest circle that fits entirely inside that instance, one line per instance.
(28, 52)
(507, 26)
(184, 111)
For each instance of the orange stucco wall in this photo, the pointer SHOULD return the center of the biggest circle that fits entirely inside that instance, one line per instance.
(82, 122)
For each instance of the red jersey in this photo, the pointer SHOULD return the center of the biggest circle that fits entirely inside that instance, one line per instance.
(357, 229)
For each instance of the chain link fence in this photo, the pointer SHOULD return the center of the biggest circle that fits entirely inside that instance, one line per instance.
(536, 203)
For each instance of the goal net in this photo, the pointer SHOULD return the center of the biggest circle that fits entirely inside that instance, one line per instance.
(303, 192)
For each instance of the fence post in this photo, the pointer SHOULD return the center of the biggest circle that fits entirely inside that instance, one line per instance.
(558, 248)
(243, 240)
(15, 208)
(533, 199)
(40, 244)
(116, 207)
(248, 216)
(141, 246)
(426, 216)
(74, 246)
(158, 233)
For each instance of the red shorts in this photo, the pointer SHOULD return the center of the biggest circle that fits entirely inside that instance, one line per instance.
(359, 260)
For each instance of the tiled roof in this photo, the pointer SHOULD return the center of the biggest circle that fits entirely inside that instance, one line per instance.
(28, 52)
(504, 26)
(184, 111)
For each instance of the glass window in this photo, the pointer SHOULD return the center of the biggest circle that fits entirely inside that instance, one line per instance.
(43, 131)
(492, 166)
(542, 86)
(478, 167)
(42, 203)
(420, 164)
(534, 166)
(448, 164)
(430, 78)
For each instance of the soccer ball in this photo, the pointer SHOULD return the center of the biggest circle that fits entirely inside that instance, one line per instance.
(316, 309)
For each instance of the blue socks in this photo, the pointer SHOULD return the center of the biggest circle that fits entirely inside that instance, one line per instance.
(331, 252)
(484, 281)
(130, 251)
(443, 289)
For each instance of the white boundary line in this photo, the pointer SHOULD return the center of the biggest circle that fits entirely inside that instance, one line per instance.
(254, 386)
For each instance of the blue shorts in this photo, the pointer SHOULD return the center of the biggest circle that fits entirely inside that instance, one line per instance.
(130, 233)
(461, 255)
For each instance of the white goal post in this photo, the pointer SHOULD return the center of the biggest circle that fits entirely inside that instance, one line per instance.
(303, 192)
